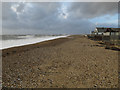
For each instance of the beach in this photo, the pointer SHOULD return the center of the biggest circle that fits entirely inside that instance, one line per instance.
(69, 62)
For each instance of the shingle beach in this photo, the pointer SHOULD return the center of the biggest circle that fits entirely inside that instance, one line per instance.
(70, 62)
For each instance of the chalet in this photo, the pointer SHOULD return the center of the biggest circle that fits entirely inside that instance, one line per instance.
(99, 30)
(106, 31)
(112, 31)
(115, 31)
(107, 35)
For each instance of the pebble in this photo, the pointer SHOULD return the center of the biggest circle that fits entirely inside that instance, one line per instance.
(95, 85)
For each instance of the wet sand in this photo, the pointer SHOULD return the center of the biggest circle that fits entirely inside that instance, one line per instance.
(71, 62)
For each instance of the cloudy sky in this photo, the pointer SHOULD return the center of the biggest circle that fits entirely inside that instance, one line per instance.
(57, 17)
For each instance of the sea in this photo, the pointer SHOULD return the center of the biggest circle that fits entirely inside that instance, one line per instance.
(8, 41)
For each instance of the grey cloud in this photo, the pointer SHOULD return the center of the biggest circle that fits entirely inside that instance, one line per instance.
(93, 9)
(44, 17)
(0, 10)
(7, 13)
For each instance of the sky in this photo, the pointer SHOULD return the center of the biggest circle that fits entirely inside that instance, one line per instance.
(57, 17)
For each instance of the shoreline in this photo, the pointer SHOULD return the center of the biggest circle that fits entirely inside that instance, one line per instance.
(48, 43)
(71, 62)
(33, 42)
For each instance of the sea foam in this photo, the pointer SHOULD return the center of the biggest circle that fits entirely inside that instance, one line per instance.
(4, 44)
